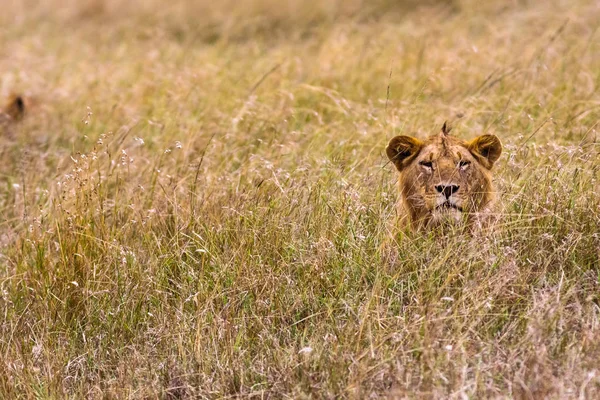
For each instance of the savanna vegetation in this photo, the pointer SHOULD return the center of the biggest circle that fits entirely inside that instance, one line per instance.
(197, 203)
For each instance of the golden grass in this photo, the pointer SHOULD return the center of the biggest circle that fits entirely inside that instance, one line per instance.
(197, 204)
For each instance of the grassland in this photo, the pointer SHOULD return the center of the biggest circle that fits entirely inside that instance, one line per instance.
(198, 202)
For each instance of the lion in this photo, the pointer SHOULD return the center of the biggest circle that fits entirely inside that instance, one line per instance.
(13, 111)
(444, 179)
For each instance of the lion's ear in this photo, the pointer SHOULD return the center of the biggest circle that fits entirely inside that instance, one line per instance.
(402, 149)
(486, 149)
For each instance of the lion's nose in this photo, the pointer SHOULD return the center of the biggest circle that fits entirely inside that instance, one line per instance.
(447, 190)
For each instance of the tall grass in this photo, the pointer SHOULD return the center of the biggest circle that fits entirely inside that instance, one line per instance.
(198, 204)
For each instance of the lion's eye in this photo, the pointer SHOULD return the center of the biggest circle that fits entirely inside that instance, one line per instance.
(427, 164)
(464, 164)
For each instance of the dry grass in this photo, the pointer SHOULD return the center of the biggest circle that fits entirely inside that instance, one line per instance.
(197, 205)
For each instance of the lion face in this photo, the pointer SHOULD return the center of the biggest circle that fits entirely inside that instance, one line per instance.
(444, 178)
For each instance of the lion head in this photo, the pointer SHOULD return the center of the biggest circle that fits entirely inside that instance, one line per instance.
(444, 178)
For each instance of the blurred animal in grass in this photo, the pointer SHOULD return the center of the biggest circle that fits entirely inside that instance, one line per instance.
(13, 111)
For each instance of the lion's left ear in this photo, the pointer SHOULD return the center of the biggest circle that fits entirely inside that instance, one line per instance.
(486, 149)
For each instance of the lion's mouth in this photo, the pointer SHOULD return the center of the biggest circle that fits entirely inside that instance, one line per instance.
(448, 206)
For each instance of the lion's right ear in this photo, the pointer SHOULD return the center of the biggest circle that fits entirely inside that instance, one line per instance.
(402, 149)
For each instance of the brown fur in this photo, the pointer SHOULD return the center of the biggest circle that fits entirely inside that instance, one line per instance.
(443, 178)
